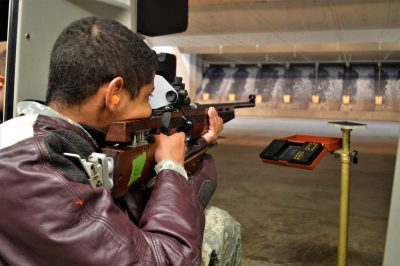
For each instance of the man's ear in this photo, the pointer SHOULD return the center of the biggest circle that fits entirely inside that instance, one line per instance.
(114, 93)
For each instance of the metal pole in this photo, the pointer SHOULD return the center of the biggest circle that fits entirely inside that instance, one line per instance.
(345, 159)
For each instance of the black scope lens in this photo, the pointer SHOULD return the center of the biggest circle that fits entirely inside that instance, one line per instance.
(171, 96)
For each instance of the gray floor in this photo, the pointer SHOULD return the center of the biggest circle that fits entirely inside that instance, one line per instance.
(290, 216)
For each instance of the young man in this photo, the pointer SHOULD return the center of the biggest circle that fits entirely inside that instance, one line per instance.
(100, 72)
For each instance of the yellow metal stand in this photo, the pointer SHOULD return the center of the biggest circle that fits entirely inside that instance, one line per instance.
(346, 158)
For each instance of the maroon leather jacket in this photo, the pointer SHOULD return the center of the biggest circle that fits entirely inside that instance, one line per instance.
(50, 215)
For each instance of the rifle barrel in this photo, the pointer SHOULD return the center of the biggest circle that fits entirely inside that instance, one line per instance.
(250, 103)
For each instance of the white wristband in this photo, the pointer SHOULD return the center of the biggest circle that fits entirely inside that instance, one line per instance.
(170, 165)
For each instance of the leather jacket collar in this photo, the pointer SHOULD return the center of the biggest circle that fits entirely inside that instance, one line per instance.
(31, 107)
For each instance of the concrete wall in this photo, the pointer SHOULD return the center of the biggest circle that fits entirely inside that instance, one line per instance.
(360, 83)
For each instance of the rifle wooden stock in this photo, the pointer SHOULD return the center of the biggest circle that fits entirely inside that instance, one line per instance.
(133, 152)
(123, 131)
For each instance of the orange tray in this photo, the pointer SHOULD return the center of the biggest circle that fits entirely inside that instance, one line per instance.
(329, 144)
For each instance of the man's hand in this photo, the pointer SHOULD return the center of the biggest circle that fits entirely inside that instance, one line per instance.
(170, 147)
(216, 126)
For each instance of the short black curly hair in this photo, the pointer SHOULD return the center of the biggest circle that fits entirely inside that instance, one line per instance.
(92, 51)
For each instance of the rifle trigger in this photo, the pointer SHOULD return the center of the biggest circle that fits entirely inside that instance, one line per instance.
(188, 125)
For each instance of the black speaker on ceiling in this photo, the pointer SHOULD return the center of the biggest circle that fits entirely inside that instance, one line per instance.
(161, 17)
(4, 4)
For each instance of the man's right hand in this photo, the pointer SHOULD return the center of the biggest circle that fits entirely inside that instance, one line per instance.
(171, 147)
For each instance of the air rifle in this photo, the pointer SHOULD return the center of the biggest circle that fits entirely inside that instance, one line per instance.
(133, 152)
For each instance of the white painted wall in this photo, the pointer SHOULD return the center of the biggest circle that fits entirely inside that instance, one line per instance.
(43, 21)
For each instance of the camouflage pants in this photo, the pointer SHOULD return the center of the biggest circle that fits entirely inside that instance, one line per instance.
(221, 240)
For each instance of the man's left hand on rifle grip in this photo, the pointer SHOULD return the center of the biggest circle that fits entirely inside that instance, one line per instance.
(215, 127)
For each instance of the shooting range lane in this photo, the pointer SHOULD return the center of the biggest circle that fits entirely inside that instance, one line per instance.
(290, 216)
